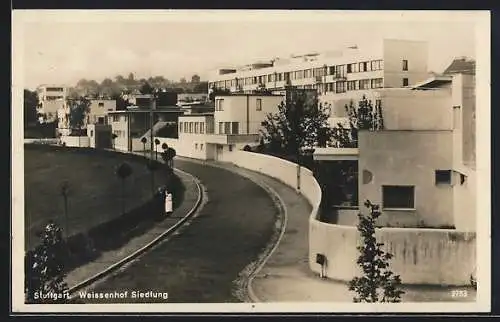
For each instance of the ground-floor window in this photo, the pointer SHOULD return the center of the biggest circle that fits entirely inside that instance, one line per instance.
(398, 197)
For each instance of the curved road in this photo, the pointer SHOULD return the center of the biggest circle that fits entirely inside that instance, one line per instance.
(200, 264)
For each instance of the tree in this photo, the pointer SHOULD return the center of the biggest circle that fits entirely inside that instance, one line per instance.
(200, 87)
(152, 167)
(146, 88)
(121, 104)
(157, 142)
(195, 79)
(144, 141)
(168, 156)
(30, 106)
(379, 283)
(183, 80)
(77, 114)
(164, 146)
(123, 171)
(65, 194)
(363, 117)
(45, 267)
(296, 125)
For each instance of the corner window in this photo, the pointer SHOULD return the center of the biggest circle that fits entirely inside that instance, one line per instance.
(398, 197)
(259, 104)
(405, 64)
(405, 81)
(442, 177)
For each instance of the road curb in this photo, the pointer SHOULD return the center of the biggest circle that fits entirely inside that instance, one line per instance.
(145, 248)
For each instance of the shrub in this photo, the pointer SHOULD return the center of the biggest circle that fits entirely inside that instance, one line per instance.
(378, 284)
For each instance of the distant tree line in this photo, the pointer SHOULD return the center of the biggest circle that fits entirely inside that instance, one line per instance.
(120, 84)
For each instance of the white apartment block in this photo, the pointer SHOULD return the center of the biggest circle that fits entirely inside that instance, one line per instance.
(51, 98)
(389, 64)
(98, 111)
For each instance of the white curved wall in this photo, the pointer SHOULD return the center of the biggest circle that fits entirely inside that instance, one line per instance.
(76, 141)
(421, 256)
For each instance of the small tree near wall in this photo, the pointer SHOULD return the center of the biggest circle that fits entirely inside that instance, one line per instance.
(378, 283)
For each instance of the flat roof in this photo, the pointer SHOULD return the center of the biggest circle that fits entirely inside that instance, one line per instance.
(198, 114)
(252, 94)
(146, 111)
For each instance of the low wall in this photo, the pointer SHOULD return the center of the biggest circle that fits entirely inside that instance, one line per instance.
(41, 141)
(76, 141)
(421, 256)
(190, 147)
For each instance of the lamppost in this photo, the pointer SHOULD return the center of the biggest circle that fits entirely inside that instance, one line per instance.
(65, 193)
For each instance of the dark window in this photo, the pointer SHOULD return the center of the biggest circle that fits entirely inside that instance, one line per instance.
(101, 104)
(405, 64)
(227, 127)
(443, 176)
(230, 147)
(405, 81)
(462, 178)
(180, 126)
(398, 196)
(259, 104)
(235, 128)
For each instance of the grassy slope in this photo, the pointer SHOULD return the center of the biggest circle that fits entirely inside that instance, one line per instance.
(95, 192)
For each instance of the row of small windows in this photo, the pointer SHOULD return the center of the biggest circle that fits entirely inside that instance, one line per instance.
(341, 87)
(192, 127)
(338, 70)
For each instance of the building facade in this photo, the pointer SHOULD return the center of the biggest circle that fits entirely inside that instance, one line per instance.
(420, 168)
(51, 98)
(389, 64)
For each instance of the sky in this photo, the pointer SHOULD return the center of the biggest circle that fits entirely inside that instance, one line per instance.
(63, 48)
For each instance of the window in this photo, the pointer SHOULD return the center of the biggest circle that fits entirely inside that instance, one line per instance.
(352, 85)
(196, 146)
(352, 68)
(331, 70)
(405, 81)
(101, 104)
(116, 118)
(185, 127)
(202, 127)
(377, 83)
(375, 65)
(340, 87)
(363, 67)
(340, 70)
(442, 176)
(190, 127)
(219, 105)
(364, 84)
(235, 128)
(405, 64)
(230, 147)
(196, 127)
(227, 127)
(221, 127)
(398, 197)
(201, 146)
(180, 126)
(91, 133)
(259, 104)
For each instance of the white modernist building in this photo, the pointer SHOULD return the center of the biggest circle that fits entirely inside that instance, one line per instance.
(51, 98)
(389, 63)
(235, 123)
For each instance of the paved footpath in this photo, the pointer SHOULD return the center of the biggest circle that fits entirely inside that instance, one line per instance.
(108, 258)
(286, 276)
